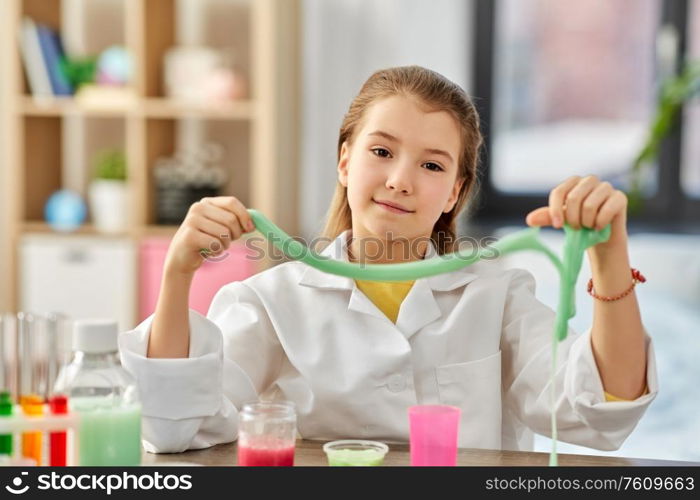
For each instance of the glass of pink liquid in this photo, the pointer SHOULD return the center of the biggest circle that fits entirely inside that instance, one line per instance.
(433, 434)
(266, 434)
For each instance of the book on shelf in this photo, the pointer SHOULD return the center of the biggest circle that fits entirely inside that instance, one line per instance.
(42, 52)
(52, 50)
(37, 73)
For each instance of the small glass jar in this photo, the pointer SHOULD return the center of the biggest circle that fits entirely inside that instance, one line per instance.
(267, 433)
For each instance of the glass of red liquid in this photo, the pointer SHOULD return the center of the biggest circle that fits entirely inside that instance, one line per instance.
(266, 434)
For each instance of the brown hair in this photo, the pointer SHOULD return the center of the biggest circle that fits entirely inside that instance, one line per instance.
(439, 94)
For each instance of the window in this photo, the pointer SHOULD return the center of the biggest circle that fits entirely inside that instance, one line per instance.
(570, 87)
(690, 167)
(573, 89)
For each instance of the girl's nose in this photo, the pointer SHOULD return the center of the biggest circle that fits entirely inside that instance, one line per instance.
(399, 179)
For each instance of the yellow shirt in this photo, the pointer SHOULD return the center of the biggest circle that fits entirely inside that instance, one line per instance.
(388, 295)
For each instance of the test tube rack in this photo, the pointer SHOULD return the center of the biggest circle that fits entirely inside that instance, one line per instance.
(19, 423)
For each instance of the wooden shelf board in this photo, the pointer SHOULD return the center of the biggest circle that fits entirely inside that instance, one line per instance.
(157, 230)
(85, 229)
(159, 108)
(65, 106)
(167, 108)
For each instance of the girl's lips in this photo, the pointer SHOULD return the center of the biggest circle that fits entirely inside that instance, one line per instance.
(392, 209)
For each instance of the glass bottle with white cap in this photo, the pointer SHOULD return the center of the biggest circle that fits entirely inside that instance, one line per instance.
(104, 395)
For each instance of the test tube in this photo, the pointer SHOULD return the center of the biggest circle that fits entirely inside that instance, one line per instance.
(25, 327)
(4, 382)
(10, 366)
(8, 357)
(31, 403)
(58, 439)
(40, 357)
(57, 348)
(5, 411)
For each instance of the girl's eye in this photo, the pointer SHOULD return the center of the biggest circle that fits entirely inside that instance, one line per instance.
(433, 166)
(381, 152)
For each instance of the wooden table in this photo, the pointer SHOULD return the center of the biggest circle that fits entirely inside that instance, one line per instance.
(310, 453)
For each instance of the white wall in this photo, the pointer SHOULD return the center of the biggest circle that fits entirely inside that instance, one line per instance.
(344, 42)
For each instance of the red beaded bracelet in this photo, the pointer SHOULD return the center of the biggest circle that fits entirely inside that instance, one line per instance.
(637, 277)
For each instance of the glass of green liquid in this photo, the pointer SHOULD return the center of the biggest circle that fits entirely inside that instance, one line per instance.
(355, 452)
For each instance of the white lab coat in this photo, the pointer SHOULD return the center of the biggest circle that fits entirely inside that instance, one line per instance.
(476, 338)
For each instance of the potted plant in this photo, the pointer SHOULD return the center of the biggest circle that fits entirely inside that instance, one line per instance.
(108, 193)
(675, 91)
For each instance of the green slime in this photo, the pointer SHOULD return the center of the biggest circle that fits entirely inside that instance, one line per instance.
(575, 244)
(349, 457)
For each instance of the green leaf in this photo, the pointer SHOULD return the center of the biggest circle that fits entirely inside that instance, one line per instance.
(110, 165)
(674, 92)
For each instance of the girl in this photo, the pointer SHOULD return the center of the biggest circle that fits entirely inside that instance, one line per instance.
(354, 355)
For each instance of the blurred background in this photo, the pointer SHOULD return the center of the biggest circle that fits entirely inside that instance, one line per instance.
(115, 115)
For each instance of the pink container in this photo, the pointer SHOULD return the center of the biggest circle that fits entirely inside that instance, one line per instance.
(207, 281)
(433, 435)
(267, 434)
(249, 456)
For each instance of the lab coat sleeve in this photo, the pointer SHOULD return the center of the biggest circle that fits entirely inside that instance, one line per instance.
(193, 402)
(583, 415)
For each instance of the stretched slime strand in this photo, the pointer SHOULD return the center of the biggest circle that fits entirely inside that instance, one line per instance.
(575, 243)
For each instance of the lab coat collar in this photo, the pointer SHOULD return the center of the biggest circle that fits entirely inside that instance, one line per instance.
(337, 249)
(418, 309)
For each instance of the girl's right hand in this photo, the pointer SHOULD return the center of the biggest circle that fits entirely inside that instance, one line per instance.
(209, 228)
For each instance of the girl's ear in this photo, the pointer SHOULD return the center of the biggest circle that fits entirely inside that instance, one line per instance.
(343, 164)
(452, 200)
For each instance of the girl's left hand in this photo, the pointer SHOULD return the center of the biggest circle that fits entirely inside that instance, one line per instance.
(585, 202)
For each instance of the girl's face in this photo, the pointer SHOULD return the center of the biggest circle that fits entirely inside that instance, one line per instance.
(403, 155)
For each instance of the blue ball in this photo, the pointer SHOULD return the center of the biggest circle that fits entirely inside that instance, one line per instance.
(114, 66)
(65, 211)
